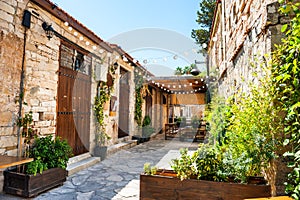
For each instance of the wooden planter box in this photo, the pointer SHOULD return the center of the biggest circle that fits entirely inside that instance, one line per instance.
(29, 185)
(167, 187)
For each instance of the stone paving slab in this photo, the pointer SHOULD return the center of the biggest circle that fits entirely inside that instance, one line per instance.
(116, 177)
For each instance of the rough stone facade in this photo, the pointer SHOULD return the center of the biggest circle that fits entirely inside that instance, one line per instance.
(244, 33)
(30, 50)
(243, 36)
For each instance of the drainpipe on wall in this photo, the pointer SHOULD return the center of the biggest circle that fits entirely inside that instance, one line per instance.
(26, 24)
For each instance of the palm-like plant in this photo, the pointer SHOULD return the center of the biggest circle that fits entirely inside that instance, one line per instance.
(179, 71)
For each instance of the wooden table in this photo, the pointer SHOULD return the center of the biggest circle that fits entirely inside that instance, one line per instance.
(170, 130)
(9, 161)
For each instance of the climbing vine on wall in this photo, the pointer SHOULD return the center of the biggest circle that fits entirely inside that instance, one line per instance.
(138, 99)
(103, 96)
(286, 71)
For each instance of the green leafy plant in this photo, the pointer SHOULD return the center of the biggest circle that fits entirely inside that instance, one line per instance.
(103, 96)
(138, 99)
(149, 170)
(48, 153)
(185, 166)
(28, 131)
(147, 129)
(217, 116)
(209, 164)
(286, 79)
(205, 164)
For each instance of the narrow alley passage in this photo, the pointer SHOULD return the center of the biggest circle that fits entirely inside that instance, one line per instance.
(117, 177)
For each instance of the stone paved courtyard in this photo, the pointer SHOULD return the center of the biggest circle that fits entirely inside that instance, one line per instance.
(117, 177)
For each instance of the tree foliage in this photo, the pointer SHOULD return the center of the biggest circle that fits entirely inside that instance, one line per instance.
(204, 18)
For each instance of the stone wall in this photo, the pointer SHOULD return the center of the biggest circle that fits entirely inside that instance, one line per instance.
(41, 63)
(245, 31)
(11, 54)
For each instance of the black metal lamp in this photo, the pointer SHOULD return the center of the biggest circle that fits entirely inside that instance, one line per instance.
(48, 29)
(195, 71)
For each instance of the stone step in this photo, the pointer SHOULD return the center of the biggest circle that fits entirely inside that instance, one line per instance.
(121, 146)
(79, 158)
(81, 162)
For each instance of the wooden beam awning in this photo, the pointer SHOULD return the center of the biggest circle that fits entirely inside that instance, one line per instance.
(180, 84)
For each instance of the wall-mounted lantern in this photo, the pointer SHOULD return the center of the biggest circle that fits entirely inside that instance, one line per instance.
(48, 29)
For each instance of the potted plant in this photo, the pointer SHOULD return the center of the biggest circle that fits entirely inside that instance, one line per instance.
(100, 149)
(147, 129)
(104, 95)
(178, 121)
(202, 175)
(48, 169)
(195, 121)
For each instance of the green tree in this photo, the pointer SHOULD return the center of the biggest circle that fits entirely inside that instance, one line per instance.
(204, 18)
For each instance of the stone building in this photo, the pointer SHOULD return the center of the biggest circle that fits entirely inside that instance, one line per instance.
(243, 32)
(242, 38)
(53, 66)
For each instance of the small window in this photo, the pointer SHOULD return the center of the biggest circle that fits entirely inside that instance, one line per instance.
(78, 61)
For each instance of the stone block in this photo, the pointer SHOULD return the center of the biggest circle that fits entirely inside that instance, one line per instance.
(7, 8)
(42, 124)
(35, 117)
(34, 102)
(13, 2)
(4, 25)
(47, 131)
(48, 116)
(5, 131)
(49, 104)
(5, 118)
(6, 17)
(12, 152)
(8, 141)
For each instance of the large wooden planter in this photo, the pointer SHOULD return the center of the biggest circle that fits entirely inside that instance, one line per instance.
(157, 187)
(29, 185)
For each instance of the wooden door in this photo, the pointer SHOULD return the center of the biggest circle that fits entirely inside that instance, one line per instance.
(73, 110)
(123, 129)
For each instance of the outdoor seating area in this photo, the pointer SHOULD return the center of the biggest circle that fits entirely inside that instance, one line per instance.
(186, 133)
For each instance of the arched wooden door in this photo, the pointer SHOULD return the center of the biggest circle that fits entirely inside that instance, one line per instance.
(74, 99)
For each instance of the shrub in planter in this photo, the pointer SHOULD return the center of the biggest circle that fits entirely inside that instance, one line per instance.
(45, 172)
(204, 164)
(48, 153)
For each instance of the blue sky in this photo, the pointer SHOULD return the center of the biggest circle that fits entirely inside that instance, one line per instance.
(112, 20)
